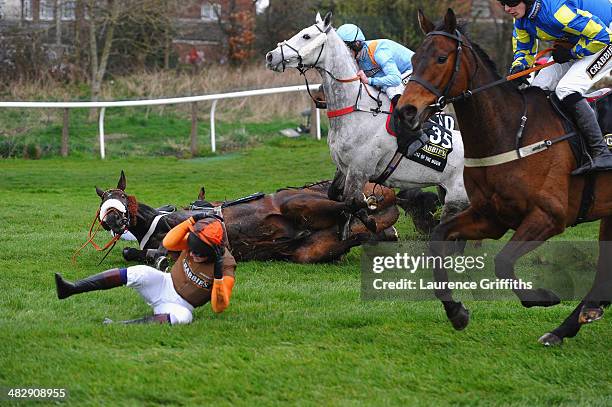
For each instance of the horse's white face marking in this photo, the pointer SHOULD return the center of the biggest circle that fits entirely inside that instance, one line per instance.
(306, 46)
(111, 203)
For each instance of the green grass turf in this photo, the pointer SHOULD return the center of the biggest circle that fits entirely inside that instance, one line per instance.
(294, 334)
(129, 133)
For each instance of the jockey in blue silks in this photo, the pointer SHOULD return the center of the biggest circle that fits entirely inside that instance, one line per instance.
(383, 63)
(582, 31)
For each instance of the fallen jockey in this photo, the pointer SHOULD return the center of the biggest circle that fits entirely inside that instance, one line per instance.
(204, 272)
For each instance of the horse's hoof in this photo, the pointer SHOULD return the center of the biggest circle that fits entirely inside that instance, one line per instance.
(550, 339)
(131, 254)
(588, 315)
(388, 235)
(539, 298)
(460, 318)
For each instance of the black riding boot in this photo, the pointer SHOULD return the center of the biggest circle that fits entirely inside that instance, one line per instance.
(589, 128)
(101, 281)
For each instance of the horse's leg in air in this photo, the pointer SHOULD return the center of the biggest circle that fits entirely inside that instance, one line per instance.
(537, 227)
(467, 225)
(355, 199)
(353, 189)
(385, 219)
(324, 246)
(336, 189)
(421, 207)
(454, 198)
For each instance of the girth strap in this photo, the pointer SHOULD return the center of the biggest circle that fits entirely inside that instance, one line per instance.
(515, 154)
(151, 230)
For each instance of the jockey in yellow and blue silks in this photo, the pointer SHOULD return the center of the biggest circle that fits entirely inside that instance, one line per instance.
(582, 31)
(383, 63)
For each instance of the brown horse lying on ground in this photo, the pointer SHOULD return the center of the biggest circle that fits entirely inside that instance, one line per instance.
(295, 224)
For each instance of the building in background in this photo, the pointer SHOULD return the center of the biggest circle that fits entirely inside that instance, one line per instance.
(202, 28)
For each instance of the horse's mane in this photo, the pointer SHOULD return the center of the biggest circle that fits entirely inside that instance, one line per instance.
(321, 184)
(489, 63)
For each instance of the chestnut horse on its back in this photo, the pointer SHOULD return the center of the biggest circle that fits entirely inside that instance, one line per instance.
(536, 196)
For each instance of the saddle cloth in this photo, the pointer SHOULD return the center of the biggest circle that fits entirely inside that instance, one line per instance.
(438, 129)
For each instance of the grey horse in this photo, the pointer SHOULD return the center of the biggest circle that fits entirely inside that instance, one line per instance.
(360, 146)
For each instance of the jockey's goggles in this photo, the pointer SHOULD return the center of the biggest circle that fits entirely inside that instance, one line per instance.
(510, 3)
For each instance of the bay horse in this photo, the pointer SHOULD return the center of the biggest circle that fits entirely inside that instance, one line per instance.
(535, 195)
(296, 224)
(359, 143)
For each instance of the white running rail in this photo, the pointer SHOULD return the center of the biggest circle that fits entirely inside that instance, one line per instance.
(167, 101)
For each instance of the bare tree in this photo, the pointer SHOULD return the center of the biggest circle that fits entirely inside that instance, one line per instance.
(57, 11)
(98, 62)
(137, 27)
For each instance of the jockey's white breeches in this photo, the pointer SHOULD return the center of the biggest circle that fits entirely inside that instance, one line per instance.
(576, 76)
(158, 291)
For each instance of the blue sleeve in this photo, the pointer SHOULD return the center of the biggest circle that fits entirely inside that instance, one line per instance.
(392, 75)
(592, 32)
(524, 45)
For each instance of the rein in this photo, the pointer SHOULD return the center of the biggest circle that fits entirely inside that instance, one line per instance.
(468, 93)
(90, 240)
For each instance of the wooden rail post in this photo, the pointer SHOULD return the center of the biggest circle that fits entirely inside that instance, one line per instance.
(65, 133)
(194, 129)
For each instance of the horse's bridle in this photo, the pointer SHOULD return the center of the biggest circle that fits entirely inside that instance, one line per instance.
(301, 67)
(124, 214)
(442, 96)
(100, 217)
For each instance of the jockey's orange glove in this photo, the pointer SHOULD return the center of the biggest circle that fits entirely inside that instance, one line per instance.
(221, 293)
